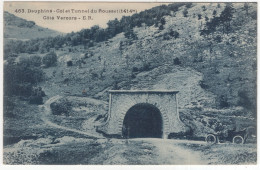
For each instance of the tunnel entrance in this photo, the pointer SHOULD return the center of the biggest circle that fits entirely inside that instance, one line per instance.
(142, 121)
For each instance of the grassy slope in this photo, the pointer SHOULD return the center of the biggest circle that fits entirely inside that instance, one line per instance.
(15, 28)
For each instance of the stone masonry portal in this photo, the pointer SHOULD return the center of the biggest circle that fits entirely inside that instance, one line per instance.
(122, 102)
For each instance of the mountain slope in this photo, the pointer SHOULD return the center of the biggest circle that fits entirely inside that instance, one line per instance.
(16, 28)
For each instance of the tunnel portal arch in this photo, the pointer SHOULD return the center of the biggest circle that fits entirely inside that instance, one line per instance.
(121, 101)
(142, 120)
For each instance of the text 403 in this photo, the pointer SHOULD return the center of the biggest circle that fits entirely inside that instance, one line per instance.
(19, 11)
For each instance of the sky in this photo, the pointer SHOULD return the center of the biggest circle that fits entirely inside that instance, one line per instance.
(67, 26)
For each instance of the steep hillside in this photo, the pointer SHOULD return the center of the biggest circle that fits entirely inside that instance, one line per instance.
(16, 28)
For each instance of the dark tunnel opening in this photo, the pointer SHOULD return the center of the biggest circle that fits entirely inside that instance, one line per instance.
(142, 121)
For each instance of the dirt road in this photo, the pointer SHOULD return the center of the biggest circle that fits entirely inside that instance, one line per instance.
(169, 152)
(148, 151)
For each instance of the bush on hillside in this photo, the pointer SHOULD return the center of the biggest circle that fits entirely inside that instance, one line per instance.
(61, 107)
(32, 61)
(199, 16)
(185, 12)
(177, 61)
(69, 63)
(35, 100)
(50, 59)
(20, 79)
(174, 34)
(36, 60)
(9, 106)
(135, 69)
(246, 102)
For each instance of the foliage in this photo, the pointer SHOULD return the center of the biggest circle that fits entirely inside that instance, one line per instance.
(177, 61)
(31, 61)
(35, 100)
(69, 63)
(61, 107)
(204, 8)
(199, 16)
(171, 34)
(245, 101)
(185, 12)
(174, 34)
(222, 22)
(50, 59)
(8, 106)
(20, 78)
(129, 33)
(36, 60)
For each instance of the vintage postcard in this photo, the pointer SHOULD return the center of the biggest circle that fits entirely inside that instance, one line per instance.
(128, 83)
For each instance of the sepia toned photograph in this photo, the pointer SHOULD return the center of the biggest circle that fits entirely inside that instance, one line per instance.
(129, 83)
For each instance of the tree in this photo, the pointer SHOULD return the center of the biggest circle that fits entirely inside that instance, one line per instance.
(129, 33)
(20, 79)
(50, 59)
(204, 8)
(214, 13)
(163, 22)
(36, 60)
(199, 16)
(113, 28)
(185, 12)
(246, 7)
(177, 61)
(226, 17)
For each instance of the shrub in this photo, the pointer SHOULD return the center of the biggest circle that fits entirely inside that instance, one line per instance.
(94, 75)
(32, 61)
(69, 63)
(185, 12)
(199, 16)
(177, 61)
(133, 76)
(174, 34)
(161, 27)
(37, 91)
(9, 106)
(50, 59)
(214, 13)
(204, 8)
(20, 78)
(254, 15)
(36, 60)
(35, 100)
(146, 67)
(223, 102)
(218, 38)
(61, 107)
(22, 89)
(135, 69)
(188, 5)
(203, 84)
(245, 101)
